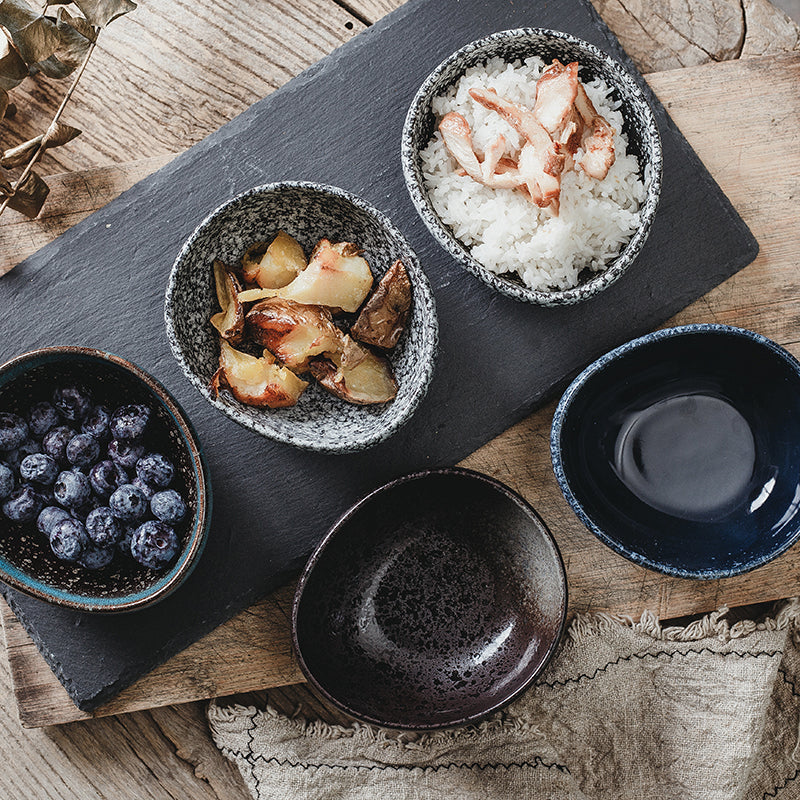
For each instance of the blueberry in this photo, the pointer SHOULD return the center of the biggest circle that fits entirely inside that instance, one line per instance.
(68, 539)
(124, 543)
(154, 544)
(23, 504)
(82, 511)
(55, 442)
(147, 490)
(155, 469)
(49, 517)
(82, 450)
(129, 422)
(72, 401)
(103, 527)
(41, 418)
(97, 422)
(96, 557)
(128, 503)
(126, 454)
(39, 468)
(13, 431)
(168, 506)
(14, 458)
(6, 481)
(72, 489)
(45, 494)
(106, 476)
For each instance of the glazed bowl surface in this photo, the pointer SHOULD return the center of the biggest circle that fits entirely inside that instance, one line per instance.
(308, 212)
(26, 561)
(434, 601)
(680, 450)
(639, 125)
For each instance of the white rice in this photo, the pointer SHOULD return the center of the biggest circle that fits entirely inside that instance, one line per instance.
(504, 230)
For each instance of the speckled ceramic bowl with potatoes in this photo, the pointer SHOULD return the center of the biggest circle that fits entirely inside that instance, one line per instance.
(308, 212)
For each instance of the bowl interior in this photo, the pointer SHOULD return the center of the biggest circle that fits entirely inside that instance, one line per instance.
(435, 601)
(26, 561)
(308, 213)
(683, 453)
(639, 125)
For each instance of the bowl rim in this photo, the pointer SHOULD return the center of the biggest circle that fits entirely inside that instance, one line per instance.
(314, 558)
(420, 282)
(184, 566)
(409, 158)
(562, 411)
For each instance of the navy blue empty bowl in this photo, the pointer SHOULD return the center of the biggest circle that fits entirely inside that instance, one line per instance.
(681, 450)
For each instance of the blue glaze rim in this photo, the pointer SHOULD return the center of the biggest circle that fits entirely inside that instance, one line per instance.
(423, 296)
(562, 411)
(314, 558)
(515, 289)
(180, 571)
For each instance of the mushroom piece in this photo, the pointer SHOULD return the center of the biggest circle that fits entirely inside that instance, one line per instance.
(230, 321)
(294, 332)
(336, 276)
(276, 265)
(386, 311)
(255, 381)
(356, 374)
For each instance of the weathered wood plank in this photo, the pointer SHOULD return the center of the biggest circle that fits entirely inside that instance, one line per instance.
(703, 101)
(169, 73)
(159, 755)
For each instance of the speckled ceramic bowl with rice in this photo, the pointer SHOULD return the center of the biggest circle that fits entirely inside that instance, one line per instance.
(593, 273)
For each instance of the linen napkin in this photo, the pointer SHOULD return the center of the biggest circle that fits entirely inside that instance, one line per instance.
(624, 710)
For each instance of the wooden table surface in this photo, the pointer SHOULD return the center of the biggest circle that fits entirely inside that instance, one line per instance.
(167, 75)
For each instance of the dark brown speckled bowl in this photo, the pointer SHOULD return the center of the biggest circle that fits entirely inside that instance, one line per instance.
(433, 601)
(26, 562)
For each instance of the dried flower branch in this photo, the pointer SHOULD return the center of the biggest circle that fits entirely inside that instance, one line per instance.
(56, 46)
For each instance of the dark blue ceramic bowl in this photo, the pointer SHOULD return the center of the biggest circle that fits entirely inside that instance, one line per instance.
(26, 562)
(681, 450)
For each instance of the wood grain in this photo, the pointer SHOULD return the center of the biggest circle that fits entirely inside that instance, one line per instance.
(252, 651)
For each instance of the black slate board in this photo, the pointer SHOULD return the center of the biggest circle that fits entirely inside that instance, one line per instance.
(102, 284)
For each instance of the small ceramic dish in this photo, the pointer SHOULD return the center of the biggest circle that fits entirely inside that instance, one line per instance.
(433, 601)
(26, 561)
(308, 212)
(512, 45)
(681, 450)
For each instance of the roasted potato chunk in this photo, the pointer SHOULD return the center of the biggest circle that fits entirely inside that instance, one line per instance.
(276, 265)
(336, 277)
(230, 321)
(386, 311)
(294, 332)
(256, 381)
(356, 374)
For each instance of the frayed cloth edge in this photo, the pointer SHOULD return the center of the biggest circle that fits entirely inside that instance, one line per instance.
(713, 625)
(222, 717)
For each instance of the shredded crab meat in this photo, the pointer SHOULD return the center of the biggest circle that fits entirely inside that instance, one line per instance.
(555, 96)
(540, 160)
(598, 138)
(562, 120)
(457, 137)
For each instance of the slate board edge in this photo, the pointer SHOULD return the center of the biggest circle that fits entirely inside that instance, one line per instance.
(131, 196)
